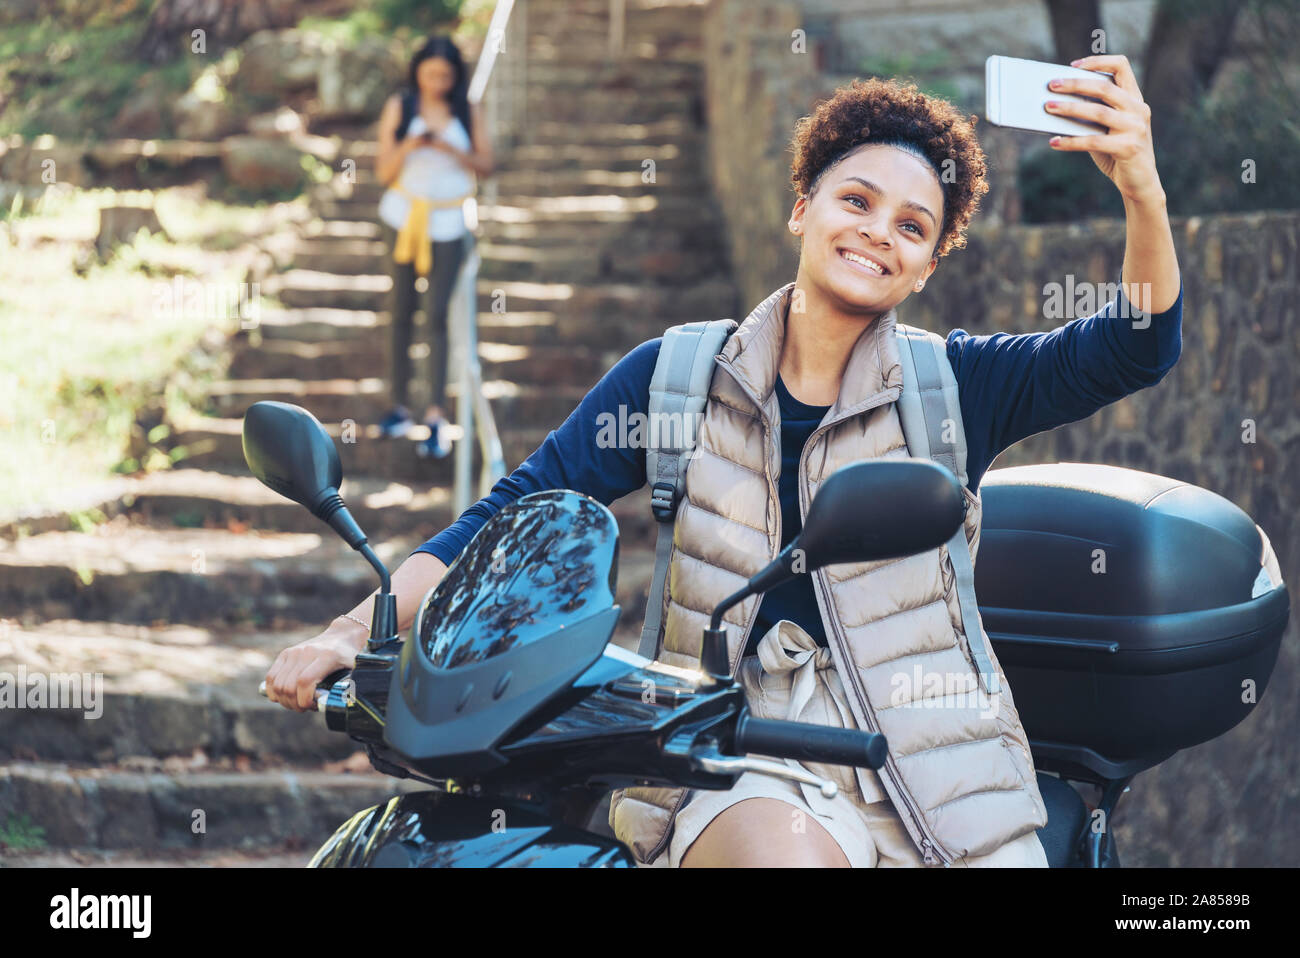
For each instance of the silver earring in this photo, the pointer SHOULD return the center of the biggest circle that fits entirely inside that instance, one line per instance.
(920, 286)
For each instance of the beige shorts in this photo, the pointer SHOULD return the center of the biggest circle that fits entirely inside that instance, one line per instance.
(793, 678)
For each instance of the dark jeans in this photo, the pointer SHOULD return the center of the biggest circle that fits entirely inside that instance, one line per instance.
(447, 258)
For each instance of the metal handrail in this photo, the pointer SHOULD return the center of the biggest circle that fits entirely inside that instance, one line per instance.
(472, 406)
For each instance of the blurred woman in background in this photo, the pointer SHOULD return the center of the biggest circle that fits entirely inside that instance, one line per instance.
(432, 145)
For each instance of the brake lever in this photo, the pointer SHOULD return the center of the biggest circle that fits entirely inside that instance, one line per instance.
(707, 758)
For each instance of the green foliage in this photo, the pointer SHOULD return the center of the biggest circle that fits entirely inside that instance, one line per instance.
(1202, 165)
(72, 79)
(926, 70)
(20, 834)
(418, 14)
(402, 17)
(85, 520)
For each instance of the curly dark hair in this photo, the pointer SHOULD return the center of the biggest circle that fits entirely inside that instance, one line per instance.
(877, 110)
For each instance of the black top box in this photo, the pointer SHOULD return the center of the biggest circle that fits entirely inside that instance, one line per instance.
(1134, 614)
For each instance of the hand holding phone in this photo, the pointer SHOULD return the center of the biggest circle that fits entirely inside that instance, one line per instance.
(1016, 93)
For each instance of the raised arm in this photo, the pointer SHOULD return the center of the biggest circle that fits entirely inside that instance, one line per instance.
(1125, 154)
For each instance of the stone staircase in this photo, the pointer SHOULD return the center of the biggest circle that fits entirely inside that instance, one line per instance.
(201, 575)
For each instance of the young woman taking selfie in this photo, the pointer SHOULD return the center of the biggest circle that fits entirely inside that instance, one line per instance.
(887, 180)
(432, 144)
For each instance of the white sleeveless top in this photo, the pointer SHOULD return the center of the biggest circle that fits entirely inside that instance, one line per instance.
(432, 174)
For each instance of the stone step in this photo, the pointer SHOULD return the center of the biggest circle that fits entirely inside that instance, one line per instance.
(664, 208)
(111, 807)
(127, 570)
(284, 366)
(621, 74)
(585, 177)
(343, 229)
(598, 235)
(216, 443)
(334, 236)
(681, 154)
(612, 106)
(155, 697)
(199, 498)
(615, 313)
(158, 692)
(338, 254)
(302, 288)
(515, 406)
(589, 42)
(659, 256)
(686, 132)
(622, 158)
(523, 328)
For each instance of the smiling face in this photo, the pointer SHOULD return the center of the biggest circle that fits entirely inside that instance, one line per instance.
(435, 76)
(880, 203)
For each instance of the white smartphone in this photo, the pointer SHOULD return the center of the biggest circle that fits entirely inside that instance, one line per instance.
(1016, 91)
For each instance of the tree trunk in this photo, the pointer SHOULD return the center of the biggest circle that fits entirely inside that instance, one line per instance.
(171, 26)
(1072, 24)
(1189, 39)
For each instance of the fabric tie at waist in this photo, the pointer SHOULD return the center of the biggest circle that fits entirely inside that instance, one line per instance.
(413, 238)
(804, 660)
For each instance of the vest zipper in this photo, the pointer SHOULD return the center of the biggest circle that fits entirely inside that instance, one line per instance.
(931, 849)
(753, 617)
(772, 493)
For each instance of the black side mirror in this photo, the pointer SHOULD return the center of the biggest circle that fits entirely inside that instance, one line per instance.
(880, 510)
(289, 451)
(864, 511)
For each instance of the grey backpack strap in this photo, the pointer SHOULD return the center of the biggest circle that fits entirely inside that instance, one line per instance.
(929, 411)
(679, 391)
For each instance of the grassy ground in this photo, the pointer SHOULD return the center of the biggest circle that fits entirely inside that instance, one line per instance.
(87, 344)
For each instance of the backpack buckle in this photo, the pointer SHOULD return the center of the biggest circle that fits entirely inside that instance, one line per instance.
(663, 501)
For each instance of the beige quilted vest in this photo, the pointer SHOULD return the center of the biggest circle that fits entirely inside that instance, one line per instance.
(959, 771)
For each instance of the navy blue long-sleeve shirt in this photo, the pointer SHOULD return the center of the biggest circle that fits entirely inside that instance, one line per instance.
(1011, 386)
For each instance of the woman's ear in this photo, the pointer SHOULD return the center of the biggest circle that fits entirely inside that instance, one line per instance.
(795, 224)
(926, 273)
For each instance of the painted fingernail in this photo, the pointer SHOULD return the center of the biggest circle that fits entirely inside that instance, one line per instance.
(1075, 63)
(1052, 104)
(1054, 140)
(1055, 84)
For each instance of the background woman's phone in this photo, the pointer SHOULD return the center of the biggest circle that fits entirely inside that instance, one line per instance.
(1016, 90)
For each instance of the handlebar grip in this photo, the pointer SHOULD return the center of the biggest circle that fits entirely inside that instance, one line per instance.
(322, 687)
(807, 742)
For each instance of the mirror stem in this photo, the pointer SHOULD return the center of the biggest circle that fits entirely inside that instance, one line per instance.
(383, 624)
(713, 650)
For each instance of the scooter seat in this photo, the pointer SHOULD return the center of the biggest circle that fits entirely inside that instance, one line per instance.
(1067, 816)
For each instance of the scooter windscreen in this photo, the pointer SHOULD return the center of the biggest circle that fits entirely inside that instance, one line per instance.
(526, 608)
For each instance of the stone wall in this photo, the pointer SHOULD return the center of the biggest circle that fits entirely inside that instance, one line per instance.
(1229, 802)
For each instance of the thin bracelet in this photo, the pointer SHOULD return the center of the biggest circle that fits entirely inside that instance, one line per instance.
(349, 615)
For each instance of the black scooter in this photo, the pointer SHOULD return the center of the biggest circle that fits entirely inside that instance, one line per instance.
(510, 701)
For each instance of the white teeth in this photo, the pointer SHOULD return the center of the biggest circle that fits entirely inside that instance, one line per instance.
(855, 258)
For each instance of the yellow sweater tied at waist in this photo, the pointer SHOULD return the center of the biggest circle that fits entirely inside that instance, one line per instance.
(413, 238)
